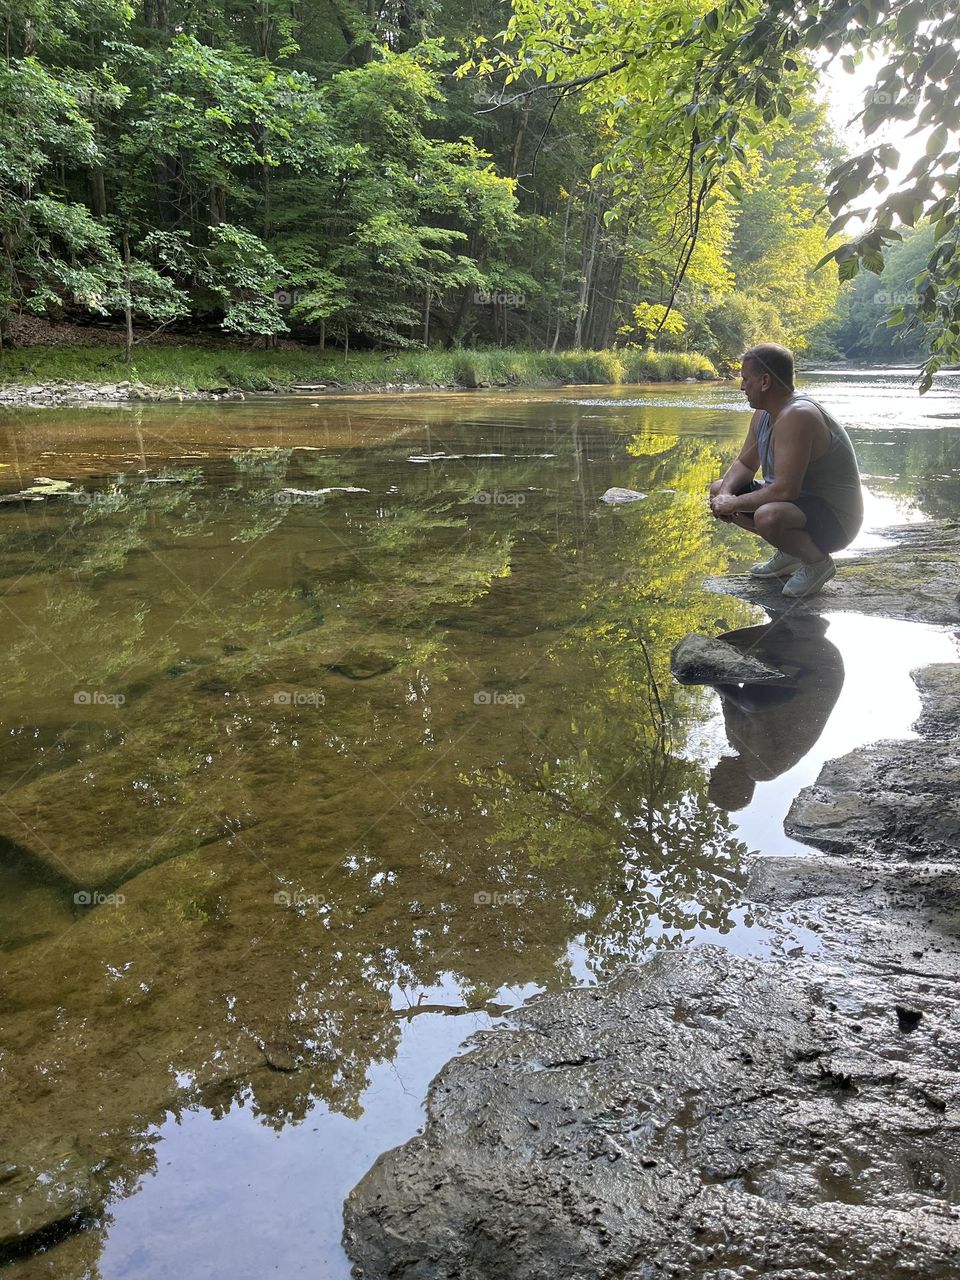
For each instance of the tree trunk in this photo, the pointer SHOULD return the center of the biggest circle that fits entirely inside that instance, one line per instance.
(587, 264)
(366, 49)
(608, 326)
(217, 204)
(518, 140)
(128, 304)
(98, 193)
(156, 14)
(456, 328)
(563, 271)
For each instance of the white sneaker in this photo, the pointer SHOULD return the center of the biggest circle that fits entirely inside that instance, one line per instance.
(809, 579)
(778, 566)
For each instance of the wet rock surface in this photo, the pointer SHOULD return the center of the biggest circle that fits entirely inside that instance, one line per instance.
(940, 691)
(703, 1116)
(895, 799)
(710, 1116)
(616, 496)
(918, 578)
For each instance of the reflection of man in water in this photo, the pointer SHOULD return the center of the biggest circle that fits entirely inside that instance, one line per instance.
(810, 502)
(772, 727)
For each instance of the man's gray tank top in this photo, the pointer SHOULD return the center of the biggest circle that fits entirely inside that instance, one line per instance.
(834, 477)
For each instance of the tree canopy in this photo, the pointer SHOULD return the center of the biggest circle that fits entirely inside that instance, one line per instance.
(695, 88)
(639, 174)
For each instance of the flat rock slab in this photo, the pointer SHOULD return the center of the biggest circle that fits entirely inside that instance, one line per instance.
(894, 800)
(703, 1116)
(917, 579)
(939, 686)
(893, 918)
(702, 660)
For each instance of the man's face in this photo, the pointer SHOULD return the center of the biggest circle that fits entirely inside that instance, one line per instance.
(752, 383)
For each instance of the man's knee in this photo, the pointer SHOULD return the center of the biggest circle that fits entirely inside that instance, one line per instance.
(715, 487)
(768, 519)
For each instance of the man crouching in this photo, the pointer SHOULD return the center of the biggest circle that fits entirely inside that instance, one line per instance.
(810, 501)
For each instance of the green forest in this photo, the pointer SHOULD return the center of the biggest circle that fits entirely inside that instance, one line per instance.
(411, 174)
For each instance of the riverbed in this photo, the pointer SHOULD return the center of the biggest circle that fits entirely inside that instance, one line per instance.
(333, 731)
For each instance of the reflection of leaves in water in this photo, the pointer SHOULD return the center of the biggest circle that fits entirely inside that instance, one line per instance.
(174, 475)
(612, 785)
(584, 804)
(922, 468)
(262, 463)
(262, 524)
(72, 620)
(651, 444)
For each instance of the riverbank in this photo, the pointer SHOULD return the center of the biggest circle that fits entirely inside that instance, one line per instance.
(714, 1116)
(82, 375)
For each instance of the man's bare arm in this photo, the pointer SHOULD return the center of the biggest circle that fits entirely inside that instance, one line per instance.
(793, 438)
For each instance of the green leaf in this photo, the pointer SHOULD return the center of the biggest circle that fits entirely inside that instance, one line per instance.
(937, 141)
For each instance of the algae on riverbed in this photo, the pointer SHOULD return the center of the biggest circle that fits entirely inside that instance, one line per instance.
(383, 758)
(274, 769)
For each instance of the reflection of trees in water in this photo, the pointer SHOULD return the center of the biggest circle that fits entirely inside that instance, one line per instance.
(921, 467)
(607, 787)
(388, 803)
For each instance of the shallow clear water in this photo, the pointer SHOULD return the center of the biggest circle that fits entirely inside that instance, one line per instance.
(331, 732)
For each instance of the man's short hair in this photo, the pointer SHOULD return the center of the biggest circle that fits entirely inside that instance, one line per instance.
(770, 357)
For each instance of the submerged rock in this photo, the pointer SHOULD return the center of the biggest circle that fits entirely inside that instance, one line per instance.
(703, 1116)
(363, 663)
(320, 493)
(42, 488)
(46, 1191)
(615, 496)
(701, 660)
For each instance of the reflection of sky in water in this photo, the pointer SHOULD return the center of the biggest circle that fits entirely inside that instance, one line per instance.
(880, 511)
(874, 400)
(232, 1197)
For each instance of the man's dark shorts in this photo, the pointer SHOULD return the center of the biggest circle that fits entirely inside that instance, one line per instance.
(822, 523)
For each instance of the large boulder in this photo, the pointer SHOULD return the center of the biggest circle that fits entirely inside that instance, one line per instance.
(893, 800)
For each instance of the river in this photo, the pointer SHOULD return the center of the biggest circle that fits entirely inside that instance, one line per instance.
(332, 731)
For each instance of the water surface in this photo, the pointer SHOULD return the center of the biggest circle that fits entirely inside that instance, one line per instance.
(332, 731)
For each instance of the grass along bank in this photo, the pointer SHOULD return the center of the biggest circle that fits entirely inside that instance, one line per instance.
(202, 369)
